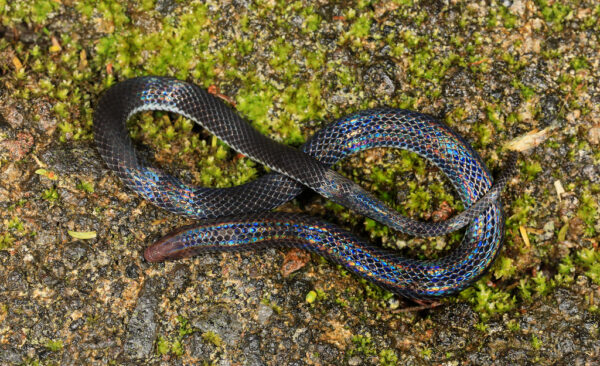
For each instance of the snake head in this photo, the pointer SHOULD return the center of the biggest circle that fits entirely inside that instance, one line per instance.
(345, 192)
(171, 246)
(340, 189)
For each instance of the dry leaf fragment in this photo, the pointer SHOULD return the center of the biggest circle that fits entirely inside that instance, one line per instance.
(559, 188)
(529, 140)
(82, 234)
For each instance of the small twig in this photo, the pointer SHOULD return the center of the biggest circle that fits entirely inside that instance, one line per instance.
(422, 306)
(475, 63)
(214, 90)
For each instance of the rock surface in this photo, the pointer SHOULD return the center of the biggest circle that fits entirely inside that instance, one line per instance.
(75, 289)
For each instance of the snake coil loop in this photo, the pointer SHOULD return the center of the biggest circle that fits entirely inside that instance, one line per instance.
(238, 218)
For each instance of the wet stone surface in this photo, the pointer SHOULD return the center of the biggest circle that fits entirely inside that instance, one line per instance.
(141, 328)
(75, 288)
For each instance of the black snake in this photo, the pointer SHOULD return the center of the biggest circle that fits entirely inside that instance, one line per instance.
(238, 218)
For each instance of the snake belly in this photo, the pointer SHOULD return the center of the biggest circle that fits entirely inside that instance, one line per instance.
(238, 218)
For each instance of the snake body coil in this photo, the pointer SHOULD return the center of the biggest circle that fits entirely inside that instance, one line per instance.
(228, 225)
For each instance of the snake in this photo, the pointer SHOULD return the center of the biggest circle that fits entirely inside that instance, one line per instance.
(241, 217)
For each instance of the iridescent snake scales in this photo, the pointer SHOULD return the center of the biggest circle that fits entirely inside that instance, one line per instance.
(238, 218)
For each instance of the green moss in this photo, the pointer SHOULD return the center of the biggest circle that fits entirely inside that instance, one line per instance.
(492, 18)
(312, 20)
(363, 344)
(177, 348)
(588, 212)
(484, 132)
(6, 241)
(361, 26)
(487, 300)
(419, 198)
(494, 115)
(314, 60)
(302, 103)
(276, 308)
(54, 345)
(530, 169)
(513, 325)
(535, 342)
(509, 19)
(87, 187)
(426, 352)
(36, 11)
(345, 75)
(388, 357)
(16, 224)
(481, 326)
(254, 102)
(441, 194)
(281, 53)
(521, 207)
(457, 115)
(590, 260)
(566, 270)
(579, 63)
(174, 345)
(375, 292)
(592, 20)
(341, 302)
(163, 346)
(375, 228)
(504, 268)
(555, 13)
(542, 285)
(212, 338)
(381, 176)
(526, 91)
(184, 327)
(50, 194)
